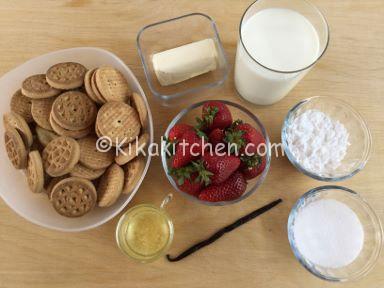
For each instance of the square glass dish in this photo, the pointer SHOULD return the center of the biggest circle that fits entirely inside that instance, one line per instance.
(172, 33)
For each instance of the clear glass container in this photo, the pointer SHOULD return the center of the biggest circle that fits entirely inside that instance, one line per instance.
(373, 233)
(360, 138)
(145, 232)
(260, 83)
(188, 116)
(172, 33)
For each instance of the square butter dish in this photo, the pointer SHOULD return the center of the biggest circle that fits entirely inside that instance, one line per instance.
(172, 33)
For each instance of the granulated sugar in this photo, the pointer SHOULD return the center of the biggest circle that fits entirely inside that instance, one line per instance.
(318, 142)
(328, 233)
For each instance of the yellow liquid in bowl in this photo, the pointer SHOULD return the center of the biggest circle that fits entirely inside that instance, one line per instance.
(144, 232)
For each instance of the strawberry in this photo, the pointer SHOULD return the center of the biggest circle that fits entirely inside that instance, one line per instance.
(215, 114)
(189, 148)
(220, 166)
(191, 179)
(244, 138)
(216, 136)
(177, 132)
(252, 166)
(230, 189)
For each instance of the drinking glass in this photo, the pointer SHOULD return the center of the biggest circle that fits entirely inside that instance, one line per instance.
(263, 85)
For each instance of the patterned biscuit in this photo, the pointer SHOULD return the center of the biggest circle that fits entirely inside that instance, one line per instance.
(112, 84)
(88, 86)
(73, 197)
(74, 110)
(110, 186)
(45, 136)
(91, 157)
(95, 89)
(68, 75)
(51, 183)
(84, 172)
(37, 87)
(35, 172)
(22, 105)
(41, 110)
(69, 133)
(16, 121)
(132, 173)
(60, 156)
(15, 147)
(119, 122)
(139, 104)
(132, 150)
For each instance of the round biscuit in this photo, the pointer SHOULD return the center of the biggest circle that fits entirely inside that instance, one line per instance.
(132, 173)
(92, 157)
(22, 105)
(84, 172)
(73, 197)
(16, 121)
(139, 104)
(35, 172)
(69, 133)
(68, 75)
(41, 110)
(131, 151)
(60, 156)
(118, 121)
(74, 110)
(112, 84)
(15, 147)
(37, 87)
(110, 186)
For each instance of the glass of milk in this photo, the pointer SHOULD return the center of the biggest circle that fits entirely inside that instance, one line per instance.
(280, 40)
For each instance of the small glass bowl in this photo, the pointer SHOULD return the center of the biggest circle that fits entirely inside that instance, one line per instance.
(188, 116)
(373, 234)
(126, 221)
(164, 35)
(360, 138)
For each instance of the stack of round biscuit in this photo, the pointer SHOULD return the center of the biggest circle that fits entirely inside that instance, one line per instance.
(53, 129)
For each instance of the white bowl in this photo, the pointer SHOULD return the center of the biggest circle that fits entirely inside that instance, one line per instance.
(13, 186)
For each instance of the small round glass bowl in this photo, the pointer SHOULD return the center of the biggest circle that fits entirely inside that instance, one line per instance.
(139, 222)
(373, 233)
(360, 139)
(188, 116)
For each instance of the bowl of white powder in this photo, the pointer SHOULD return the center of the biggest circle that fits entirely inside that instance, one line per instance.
(326, 139)
(334, 233)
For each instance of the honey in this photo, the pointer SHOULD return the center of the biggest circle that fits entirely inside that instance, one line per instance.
(144, 232)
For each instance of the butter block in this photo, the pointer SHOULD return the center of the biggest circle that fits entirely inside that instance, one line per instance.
(182, 63)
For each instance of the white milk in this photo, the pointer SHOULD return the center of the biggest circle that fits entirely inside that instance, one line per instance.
(280, 39)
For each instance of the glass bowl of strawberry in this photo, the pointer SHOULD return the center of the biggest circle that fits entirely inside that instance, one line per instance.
(216, 152)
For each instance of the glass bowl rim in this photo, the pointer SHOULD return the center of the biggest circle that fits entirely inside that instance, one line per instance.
(148, 76)
(313, 175)
(375, 218)
(260, 178)
(170, 226)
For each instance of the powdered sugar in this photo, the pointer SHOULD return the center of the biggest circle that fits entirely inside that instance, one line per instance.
(317, 142)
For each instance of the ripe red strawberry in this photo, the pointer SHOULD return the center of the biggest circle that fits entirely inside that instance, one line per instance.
(220, 166)
(191, 186)
(216, 136)
(230, 189)
(177, 131)
(215, 114)
(189, 148)
(246, 138)
(191, 179)
(252, 166)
